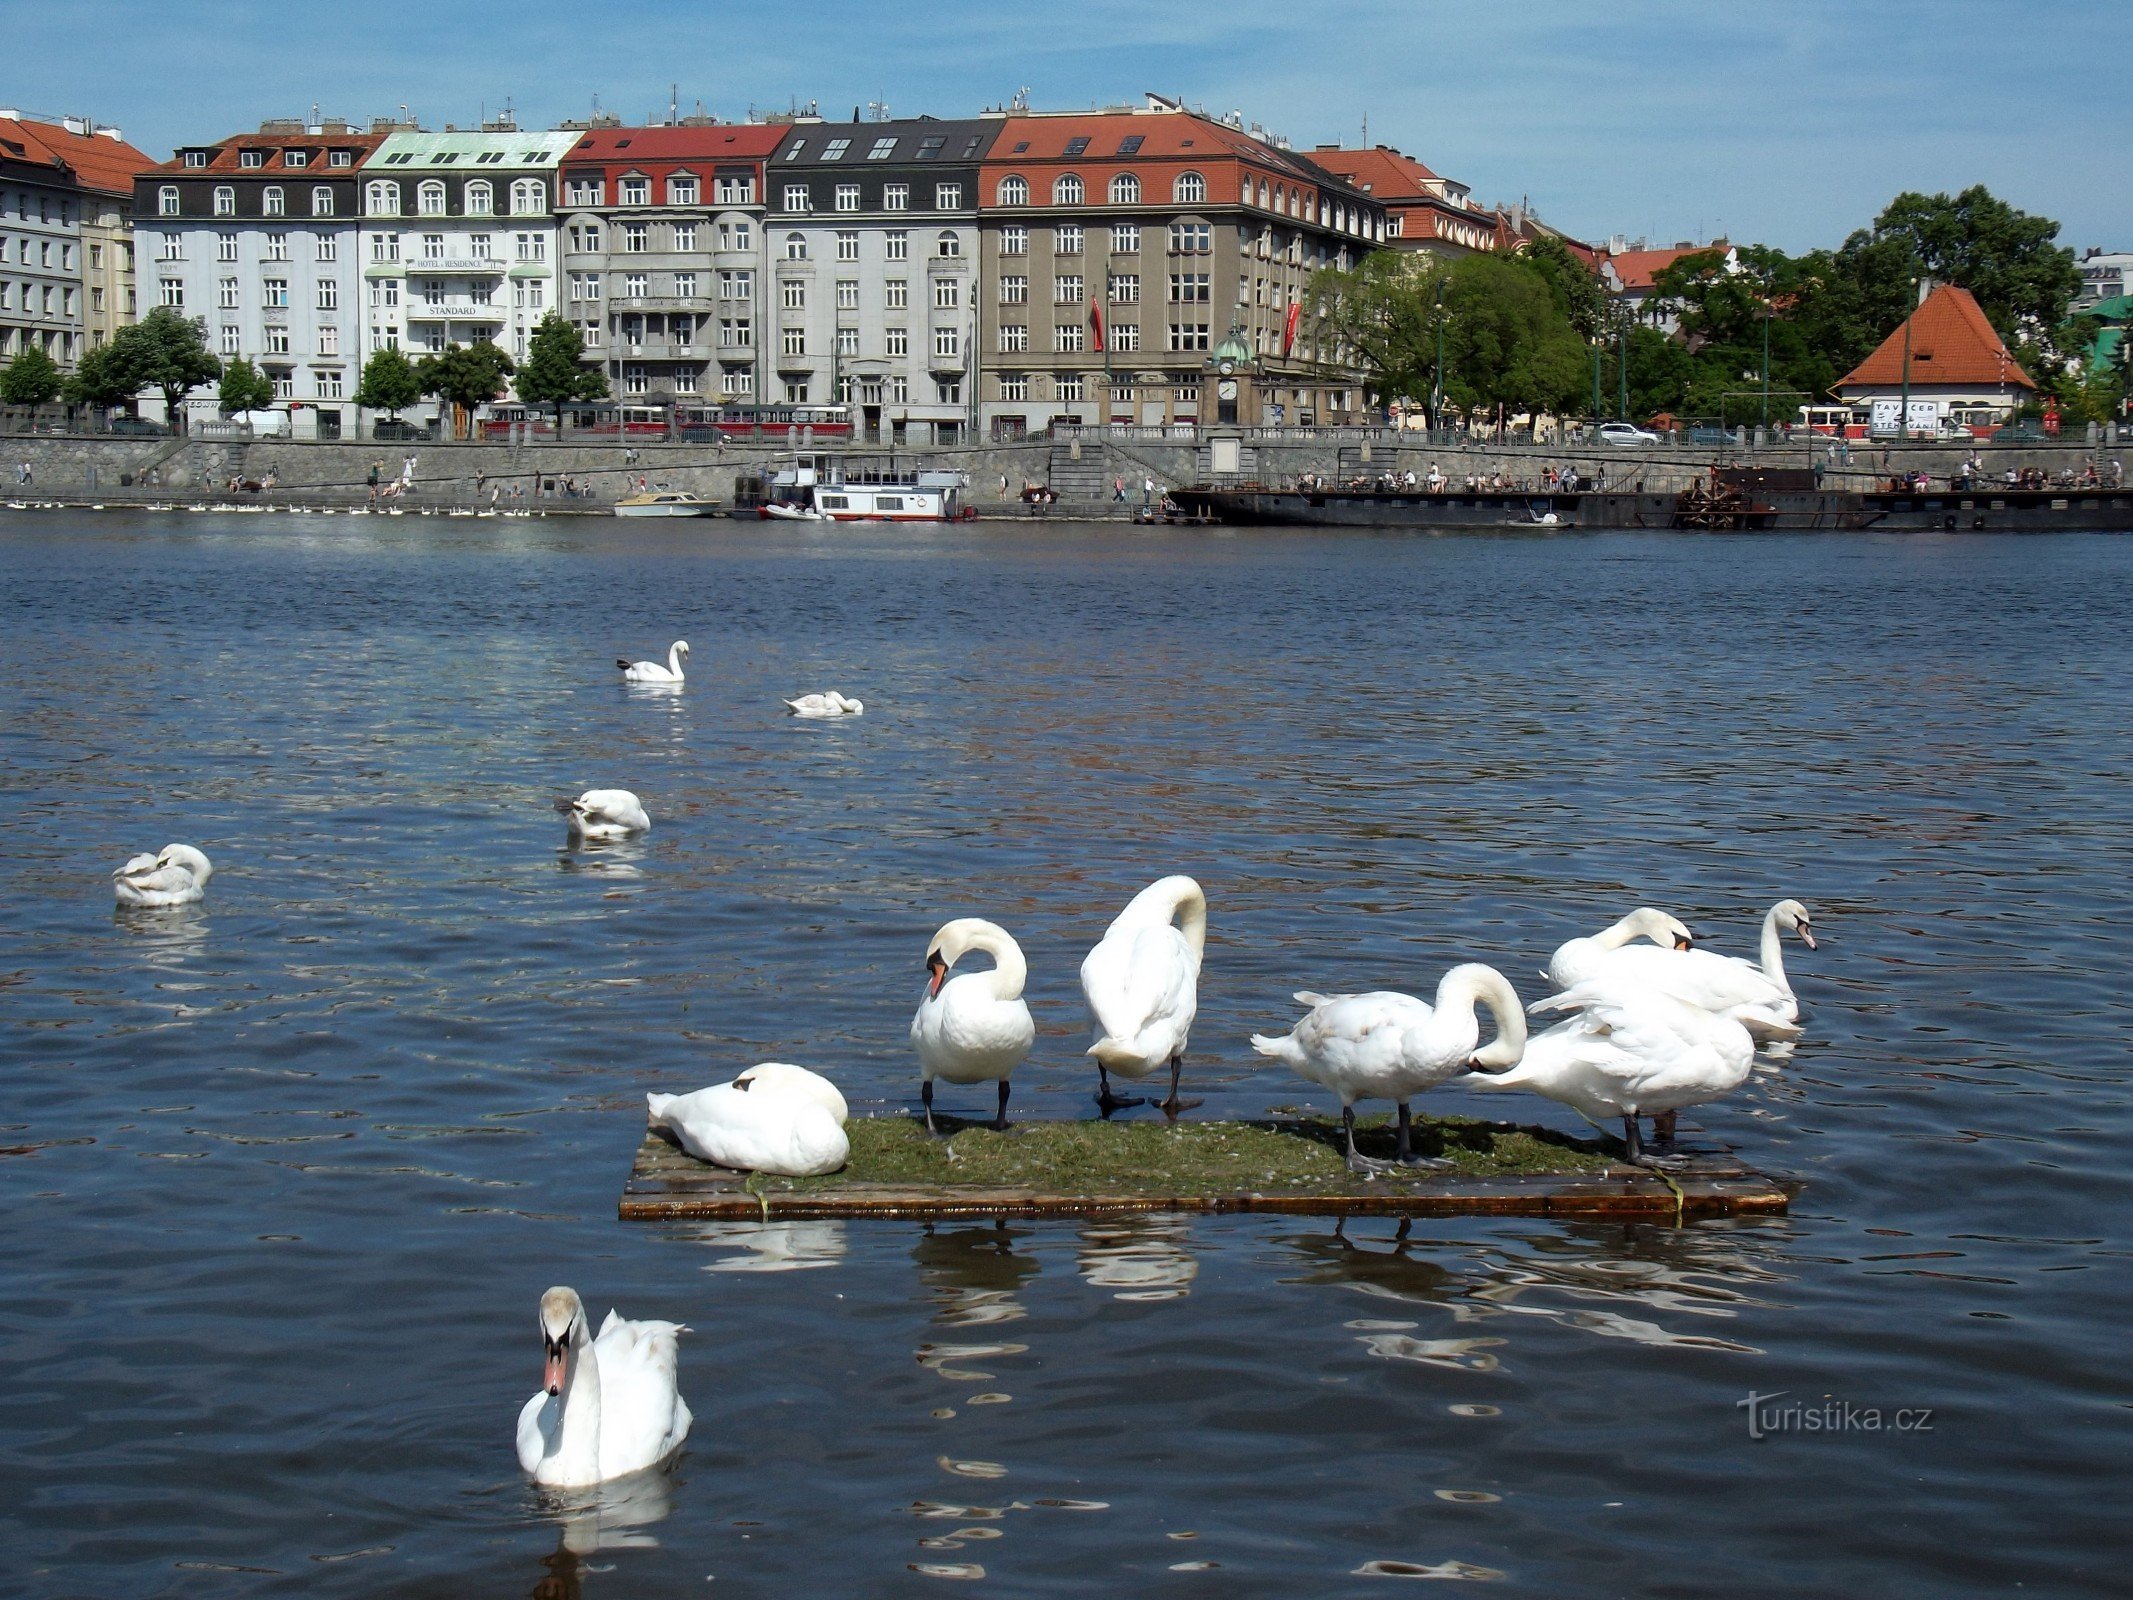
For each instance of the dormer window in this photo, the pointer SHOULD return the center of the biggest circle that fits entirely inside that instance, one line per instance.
(636, 191)
(1075, 147)
(252, 158)
(196, 158)
(296, 158)
(340, 158)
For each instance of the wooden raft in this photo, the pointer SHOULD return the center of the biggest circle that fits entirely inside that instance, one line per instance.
(667, 1184)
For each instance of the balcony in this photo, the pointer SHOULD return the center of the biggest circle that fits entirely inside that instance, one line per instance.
(656, 350)
(662, 302)
(736, 349)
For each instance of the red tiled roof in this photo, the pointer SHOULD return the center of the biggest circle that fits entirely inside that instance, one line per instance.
(1637, 268)
(97, 160)
(226, 153)
(1387, 173)
(740, 141)
(1952, 341)
(1164, 135)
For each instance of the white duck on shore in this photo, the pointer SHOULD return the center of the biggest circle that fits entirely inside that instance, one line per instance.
(775, 1118)
(1390, 1046)
(974, 1027)
(829, 704)
(1141, 983)
(177, 876)
(599, 814)
(607, 1406)
(652, 671)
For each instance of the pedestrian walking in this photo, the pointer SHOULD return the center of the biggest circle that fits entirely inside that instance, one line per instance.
(407, 473)
(1148, 491)
(22, 473)
(481, 476)
(1118, 487)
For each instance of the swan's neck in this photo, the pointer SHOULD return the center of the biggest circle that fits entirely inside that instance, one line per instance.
(577, 1447)
(1620, 934)
(674, 659)
(1463, 987)
(1774, 951)
(1191, 917)
(1010, 971)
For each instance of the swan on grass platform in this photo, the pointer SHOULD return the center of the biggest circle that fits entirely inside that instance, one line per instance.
(176, 877)
(1141, 983)
(606, 1406)
(830, 704)
(974, 1027)
(652, 671)
(775, 1118)
(1389, 1046)
(1629, 1051)
(604, 814)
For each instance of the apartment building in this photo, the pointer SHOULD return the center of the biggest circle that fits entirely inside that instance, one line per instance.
(873, 262)
(66, 194)
(254, 237)
(458, 238)
(1133, 260)
(660, 232)
(1424, 213)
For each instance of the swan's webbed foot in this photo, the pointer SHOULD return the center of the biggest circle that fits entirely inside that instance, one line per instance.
(1639, 1156)
(1172, 1106)
(1107, 1102)
(925, 1098)
(1361, 1165)
(1415, 1163)
(1404, 1148)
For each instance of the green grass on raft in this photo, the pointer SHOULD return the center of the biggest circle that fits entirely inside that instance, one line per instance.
(1191, 1158)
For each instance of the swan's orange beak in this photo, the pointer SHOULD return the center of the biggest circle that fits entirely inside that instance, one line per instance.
(938, 970)
(1683, 942)
(1807, 936)
(555, 1372)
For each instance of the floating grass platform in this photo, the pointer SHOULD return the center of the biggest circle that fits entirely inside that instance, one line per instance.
(1049, 1168)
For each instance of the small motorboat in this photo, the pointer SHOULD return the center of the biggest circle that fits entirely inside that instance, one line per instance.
(778, 511)
(665, 503)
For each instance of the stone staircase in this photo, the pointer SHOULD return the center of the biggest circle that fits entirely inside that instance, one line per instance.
(1086, 479)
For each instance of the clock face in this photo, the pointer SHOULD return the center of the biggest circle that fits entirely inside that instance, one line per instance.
(1226, 389)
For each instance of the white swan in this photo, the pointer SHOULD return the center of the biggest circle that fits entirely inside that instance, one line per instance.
(1629, 1052)
(1141, 983)
(1758, 997)
(176, 877)
(831, 704)
(974, 1027)
(652, 671)
(775, 1118)
(1578, 959)
(1388, 1046)
(604, 814)
(606, 1406)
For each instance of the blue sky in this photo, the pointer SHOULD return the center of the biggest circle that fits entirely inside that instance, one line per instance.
(1787, 123)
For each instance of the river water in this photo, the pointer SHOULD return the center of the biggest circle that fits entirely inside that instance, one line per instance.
(286, 1175)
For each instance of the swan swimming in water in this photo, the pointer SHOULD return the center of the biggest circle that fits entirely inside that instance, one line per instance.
(652, 671)
(1578, 959)
(606, 1406)
(974, 1027)
(604, 814)
(775, 1118)
(831, 704)
(1141, 983)
(1388, 1046)
(176, 877)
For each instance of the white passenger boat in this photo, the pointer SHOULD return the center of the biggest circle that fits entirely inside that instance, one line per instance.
(830, 489)
(664, 503)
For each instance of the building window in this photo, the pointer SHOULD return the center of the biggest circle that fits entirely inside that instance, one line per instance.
(796, 391)
(251, 158)
(685, 285)
(635, 236)
(272, 203)
(196, 158)
(226, 294)
(1014, 337)
(1125, 190)
(327, 247)
(899, 389)
(896, 342)
(947, 245)
(533, 247)
(1188, 336)
(583, 191)
(847, 294)
(796, 197)
(847, 197)
(1123, 336)
(847, 341)
(480, 199)
(948, 197)
(1191, 239)
(174, 294)
(1014, 241)
(1192, 288)
(793, 342)
(1067, 190)
(737, 383)
(1066, 289)
(735, 236)
(636, 191)
(277, 341)
(736, 191)
(1190, 189)
(1124, 288)
(277, 292)
(225, 202)
(1014, 290)
(1070, 387)
(433, 247)
(1013, 191)
(529, 197)
(946, 343)
(947, 294)
(1125, 239)
(792, 295)
(382, 199)
(329, 379)
(1014, 386)
(737, 332)
(167, 201)
(896, 197)
(225, 248)
(1066, 241)
(329, 295)
(896, 245)
(685, 238)
(736, 285)
(948, 392)
(429, 199)
(1066, 336)
(637, 285)
(277, 247)
(896, 294)
(847, 244)
(230, 344)
(795, 247)
(322, 201)
(681, 191)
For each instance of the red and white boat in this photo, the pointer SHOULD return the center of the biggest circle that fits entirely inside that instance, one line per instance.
(833, 490)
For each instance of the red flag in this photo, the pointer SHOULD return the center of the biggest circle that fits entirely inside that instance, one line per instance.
(1288, 334)
(1096, 322)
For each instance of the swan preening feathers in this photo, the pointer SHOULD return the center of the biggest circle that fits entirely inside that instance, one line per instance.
(177, 876)
(973, 1027)
(604, 814)
(828, 704)
(1141, 983)
(606, 1406)
(774, 1118)
(652, 671)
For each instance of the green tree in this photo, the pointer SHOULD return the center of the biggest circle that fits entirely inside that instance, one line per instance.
(31, 379)
(1382, 313)
(555, 373)
(465, 376)
(388, 383)
(96, 381)
(1575, 286)
(244, 388)
(1507, 342)
(165, 352)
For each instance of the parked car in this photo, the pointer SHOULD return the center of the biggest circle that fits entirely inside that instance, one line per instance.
(397, 428)
(138, 427)
(1626, 433)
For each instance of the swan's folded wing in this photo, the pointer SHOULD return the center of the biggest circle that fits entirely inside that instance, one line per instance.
(1136, 975)
(641, 1408)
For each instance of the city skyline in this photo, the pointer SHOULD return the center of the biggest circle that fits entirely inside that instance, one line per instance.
(1784, 127)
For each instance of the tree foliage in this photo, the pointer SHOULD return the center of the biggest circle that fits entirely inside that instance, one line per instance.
(388, 382)
(555, 372)
(244, 388)
(1383, 313)
(31, 379)
(164, 352)
(465, 376)
(97, 381)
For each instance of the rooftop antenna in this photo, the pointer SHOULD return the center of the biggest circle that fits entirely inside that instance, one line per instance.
(1366, 130)
(673, 102)
(878, 110)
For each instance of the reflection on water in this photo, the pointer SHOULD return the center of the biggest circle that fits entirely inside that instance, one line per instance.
(773, 1246)
(1139, 1257)
(974, 1272)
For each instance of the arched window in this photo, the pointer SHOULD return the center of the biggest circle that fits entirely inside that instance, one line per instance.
(322, 201)
(481, 199)
(1190, 189)
(1125, 190)
(1014, 191)
(948, 244)
(382, 199)
(272, 203)
(795, 247)
(225, 202)
(167, 200)
(429, 199)
(1067, 191)
(529, 197)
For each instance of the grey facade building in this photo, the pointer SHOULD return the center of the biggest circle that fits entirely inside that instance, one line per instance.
(65, 259)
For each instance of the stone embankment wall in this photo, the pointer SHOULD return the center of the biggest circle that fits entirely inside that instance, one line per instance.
(76, 468)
